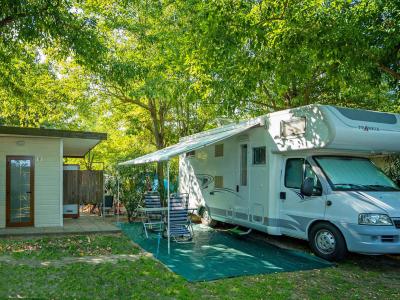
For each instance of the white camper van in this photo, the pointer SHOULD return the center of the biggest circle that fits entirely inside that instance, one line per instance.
(307, 173)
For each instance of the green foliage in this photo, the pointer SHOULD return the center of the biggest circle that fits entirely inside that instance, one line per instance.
(42, 42)
(269, 55)
(393, 167)
(132, 183)
(58, 24)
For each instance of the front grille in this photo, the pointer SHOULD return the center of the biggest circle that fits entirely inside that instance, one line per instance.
(397, 223)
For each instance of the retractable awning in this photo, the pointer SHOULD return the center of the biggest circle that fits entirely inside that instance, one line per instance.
(196, 141)
(191, 143)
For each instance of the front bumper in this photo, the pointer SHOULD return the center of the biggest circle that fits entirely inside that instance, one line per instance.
(371, 239)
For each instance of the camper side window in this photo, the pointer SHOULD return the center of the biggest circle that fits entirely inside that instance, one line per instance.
(259, 156)
(219, 182)
(219, 150)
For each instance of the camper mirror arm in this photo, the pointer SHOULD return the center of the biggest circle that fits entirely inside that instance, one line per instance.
(307, 187)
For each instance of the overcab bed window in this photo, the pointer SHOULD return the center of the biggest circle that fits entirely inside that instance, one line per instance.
(293, 127)
(191, 153)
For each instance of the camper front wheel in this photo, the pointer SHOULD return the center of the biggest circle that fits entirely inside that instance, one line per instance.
(206, 217)
(327, 242)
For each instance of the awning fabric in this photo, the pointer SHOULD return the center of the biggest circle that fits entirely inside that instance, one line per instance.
(195, 141)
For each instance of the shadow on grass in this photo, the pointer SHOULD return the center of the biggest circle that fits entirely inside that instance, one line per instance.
(363, 261)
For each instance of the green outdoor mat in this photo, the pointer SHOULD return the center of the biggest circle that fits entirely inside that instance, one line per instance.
(215, 254)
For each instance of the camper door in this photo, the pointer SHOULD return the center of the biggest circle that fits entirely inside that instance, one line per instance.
(241, 207)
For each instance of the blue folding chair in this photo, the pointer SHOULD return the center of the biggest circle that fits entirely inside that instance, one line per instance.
(153, 220)
(180, 226)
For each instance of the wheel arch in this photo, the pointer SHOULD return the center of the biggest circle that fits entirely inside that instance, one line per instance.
(316, 222)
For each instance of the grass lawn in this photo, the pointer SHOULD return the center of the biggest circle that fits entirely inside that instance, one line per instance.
(55, 248)
(359, 277)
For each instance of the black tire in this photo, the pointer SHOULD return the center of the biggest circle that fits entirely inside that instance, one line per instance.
(327, 242)
(165, 233)
(206, 217)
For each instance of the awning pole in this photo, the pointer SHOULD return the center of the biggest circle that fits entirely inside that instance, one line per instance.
(119, 204)
(104, 198)
(169, 239)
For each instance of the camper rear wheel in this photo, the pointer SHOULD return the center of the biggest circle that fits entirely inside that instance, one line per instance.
(206, 217)
(327, 242)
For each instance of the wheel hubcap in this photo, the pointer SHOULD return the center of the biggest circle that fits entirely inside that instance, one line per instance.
(325, 241)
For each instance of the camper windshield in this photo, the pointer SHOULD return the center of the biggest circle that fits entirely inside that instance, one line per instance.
(354, 173)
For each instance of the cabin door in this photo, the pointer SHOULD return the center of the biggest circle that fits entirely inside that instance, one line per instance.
(241, 209)
(19, 191)
(297, 211)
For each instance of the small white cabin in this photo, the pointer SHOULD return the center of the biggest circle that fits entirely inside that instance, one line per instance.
(31, 177)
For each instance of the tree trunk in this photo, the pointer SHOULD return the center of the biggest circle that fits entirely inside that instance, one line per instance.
(130, 214)
(160, 175)
(159, 140)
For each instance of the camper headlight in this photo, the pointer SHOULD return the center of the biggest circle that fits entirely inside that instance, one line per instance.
(374, 219)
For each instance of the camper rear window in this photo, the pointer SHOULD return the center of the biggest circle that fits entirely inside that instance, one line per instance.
(259, 156)
(293, 127)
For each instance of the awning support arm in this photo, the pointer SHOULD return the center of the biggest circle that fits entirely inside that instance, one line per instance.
(168, 197)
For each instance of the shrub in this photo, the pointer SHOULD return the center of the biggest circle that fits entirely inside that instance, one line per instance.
(393, 167)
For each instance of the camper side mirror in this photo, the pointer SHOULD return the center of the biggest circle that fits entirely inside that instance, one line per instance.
(307, 187)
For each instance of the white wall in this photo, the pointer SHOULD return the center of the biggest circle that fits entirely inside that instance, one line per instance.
(48, 189)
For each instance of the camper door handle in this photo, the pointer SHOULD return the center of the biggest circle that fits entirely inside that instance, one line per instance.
(237, 188)
(211, 193)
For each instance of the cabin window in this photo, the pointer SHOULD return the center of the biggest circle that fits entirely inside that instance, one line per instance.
(191, 153)
(294, 173)
(293, 127)
(219, 182)
(219, 150)
(297, 169)
(259, 156)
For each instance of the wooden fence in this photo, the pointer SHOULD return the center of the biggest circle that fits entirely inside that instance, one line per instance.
(83, 187)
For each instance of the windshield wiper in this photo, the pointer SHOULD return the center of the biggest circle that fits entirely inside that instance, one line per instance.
(354, 186)
(380, 186)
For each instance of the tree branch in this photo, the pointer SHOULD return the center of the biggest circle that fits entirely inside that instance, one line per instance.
(10, 19)
(126, 99)
(389, 71)
(6, 21)
(122, 97)
(273, 107)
